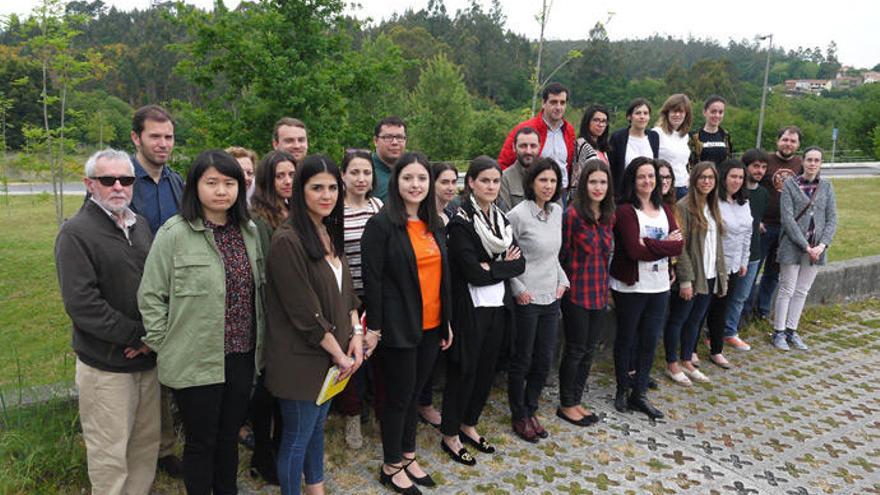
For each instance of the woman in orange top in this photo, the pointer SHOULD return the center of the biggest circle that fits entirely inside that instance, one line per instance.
(406, 281)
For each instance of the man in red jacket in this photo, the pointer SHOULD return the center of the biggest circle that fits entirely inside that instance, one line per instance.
(556, 134)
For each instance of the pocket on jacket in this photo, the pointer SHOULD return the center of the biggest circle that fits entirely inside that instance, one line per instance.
(191, 275)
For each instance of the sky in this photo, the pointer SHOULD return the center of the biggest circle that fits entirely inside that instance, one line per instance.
(852, 24)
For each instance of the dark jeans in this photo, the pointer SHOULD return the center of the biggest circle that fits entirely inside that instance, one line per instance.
(716, 316)
(534, 345)
(681, 192)
(683, 326)
(265, 415)
(639, 323)
(770, 276)
(302, 444)
(465, 395)
(212, 415)
(582, 327)
(406, 371)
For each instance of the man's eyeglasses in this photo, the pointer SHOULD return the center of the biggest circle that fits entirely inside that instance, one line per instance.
(390, 138)
(109, 180)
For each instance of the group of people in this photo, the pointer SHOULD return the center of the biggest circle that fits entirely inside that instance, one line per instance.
(238, 288)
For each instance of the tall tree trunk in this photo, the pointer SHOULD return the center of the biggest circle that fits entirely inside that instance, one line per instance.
(536, 85)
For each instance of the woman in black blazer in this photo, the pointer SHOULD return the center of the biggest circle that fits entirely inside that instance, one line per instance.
(632, 141)
(485, 257)
(406, 279)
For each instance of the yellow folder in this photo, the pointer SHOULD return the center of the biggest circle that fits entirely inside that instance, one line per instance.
(331, 387)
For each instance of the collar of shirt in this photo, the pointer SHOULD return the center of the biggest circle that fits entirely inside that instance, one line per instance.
(128, 217)
(803, 180)
(141, 172)
(549, 127)
(542, 214)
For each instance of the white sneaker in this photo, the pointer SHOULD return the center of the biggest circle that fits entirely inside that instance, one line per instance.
(696, 376)
(679, 378)
(353, 437)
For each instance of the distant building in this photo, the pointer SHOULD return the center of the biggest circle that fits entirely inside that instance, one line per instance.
(869, 77)
(807, 86)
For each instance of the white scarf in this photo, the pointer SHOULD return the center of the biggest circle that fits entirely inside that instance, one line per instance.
(494, 230)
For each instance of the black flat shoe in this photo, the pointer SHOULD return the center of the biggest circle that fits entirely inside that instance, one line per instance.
(425, 480)
(425, 420)
(638, 402)
(588, 420)
(386, 480)
(482, 445)
(652, 384)
(461, 457)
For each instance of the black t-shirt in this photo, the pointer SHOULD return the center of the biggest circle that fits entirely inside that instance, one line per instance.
(714, 146)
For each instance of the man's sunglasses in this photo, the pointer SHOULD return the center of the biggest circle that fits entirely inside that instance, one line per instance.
(109, 180)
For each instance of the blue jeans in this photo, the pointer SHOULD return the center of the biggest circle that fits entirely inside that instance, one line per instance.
(738, 299)
(534, 345)
(770, 276)
(302, 444)
(683, 326)
(639, 323)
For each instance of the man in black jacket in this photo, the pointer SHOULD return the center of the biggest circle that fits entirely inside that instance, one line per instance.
(100, 255)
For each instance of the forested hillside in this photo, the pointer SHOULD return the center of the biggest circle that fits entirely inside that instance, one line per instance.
(460, 79)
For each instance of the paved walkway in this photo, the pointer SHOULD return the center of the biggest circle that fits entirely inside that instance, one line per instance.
(794, 423)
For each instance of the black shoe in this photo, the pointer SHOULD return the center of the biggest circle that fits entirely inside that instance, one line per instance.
(386, 480)
(264, 467)
(425, 420)
(639, 402)
(461, 457)
(425, 480)
(585, 421)
(482, 445)
(171, 465)
(620, 400)
(652, 384)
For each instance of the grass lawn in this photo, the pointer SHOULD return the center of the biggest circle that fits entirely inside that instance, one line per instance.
(35, 331)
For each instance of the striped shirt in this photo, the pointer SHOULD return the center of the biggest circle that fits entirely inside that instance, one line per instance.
(355, 221)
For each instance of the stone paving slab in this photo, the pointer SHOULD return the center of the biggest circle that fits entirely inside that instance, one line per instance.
(795, 423)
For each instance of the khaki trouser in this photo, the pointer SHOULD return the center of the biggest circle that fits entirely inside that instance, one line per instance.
(119, 413)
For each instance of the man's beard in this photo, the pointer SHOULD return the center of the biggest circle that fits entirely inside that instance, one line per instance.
(523, 162)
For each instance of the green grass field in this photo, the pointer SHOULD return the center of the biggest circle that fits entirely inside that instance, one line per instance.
(35, 331)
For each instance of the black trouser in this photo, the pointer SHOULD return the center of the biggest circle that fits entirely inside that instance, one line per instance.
(534, 345)
(465, 395)
(716, 317)
(640, 319)
(405, 372)
(212, 415)
(265, 415)
(582, 329)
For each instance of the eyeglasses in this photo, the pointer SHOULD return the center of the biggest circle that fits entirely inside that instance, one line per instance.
(666, 177)
(706, 178)
(109, 180)
(390, 138)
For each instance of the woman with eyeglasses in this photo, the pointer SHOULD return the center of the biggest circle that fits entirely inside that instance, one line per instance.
(700, 273)
(667, 177)
(592, 141)
(200, 299)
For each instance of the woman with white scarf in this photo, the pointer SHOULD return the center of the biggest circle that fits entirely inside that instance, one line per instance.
(484, 257)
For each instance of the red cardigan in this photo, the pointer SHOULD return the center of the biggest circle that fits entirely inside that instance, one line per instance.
(507, 155)
(628, 251)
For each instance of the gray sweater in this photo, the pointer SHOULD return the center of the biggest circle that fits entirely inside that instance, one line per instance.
(540, 241)
(823, 211)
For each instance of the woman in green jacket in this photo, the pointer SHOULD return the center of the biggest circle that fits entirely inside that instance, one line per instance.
(201, 306)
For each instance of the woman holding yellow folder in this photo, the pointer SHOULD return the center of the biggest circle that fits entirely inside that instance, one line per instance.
(312, 319)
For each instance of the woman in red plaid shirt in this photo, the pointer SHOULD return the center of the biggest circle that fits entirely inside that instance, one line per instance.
(586, 252)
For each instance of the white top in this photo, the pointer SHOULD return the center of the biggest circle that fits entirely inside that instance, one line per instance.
(487, 296)
(537, 232)
(674, 149)
(337, 272)
(554, 147)
(653, 275)
(636, 147)
(709, 244)
(737, 236)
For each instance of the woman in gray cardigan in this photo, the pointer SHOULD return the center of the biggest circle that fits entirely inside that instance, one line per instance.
(808, 213)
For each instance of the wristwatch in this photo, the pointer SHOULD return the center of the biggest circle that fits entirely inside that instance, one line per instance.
(358, 329)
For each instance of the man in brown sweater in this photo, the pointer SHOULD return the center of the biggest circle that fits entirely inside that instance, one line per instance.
(780, 166)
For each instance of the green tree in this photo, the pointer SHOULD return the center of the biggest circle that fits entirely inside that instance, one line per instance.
(441, 116)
